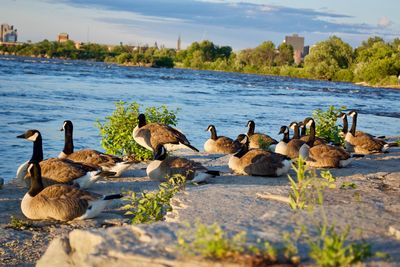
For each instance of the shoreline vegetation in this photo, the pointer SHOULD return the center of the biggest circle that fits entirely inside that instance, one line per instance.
(374, 63)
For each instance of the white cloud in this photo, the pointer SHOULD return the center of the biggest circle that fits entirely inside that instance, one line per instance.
(384, 22)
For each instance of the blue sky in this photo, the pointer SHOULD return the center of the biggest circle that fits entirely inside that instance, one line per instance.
(240, 24)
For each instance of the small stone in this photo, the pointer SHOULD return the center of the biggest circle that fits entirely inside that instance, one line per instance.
(394, 231)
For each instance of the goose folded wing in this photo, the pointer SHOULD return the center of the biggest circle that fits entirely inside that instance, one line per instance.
(63, 202)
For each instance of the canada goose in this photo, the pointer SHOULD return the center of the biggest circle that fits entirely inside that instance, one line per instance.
(327, 156)
(364, 143)
(153, 134)
(164, 166)
(220, 144)
(58, 171)
(256, 139)
(60, 202)
(89, 156)
(295, 146)
(281, 147)
(345, 128)
(258, 162)
(305, 137)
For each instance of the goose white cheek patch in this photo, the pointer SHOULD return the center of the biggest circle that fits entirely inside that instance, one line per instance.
(33, 137)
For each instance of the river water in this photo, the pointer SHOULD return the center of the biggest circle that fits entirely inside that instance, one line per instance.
(41, 94)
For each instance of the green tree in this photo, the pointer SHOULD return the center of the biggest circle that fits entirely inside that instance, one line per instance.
(327, 58)
(285, 55)
(377, 62)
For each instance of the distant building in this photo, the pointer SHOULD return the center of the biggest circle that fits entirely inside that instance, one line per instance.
(63, 37)
(298, 46)
(8, 34)
(306, 51)
(178, 44)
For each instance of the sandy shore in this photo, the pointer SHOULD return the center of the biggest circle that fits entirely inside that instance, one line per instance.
(372, 208)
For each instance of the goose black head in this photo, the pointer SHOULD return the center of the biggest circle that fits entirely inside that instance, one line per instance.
(67, 125)
(342, 115)
(141, 120)
(293, 124)
(241, 137)
(31, 135)
(250, 123)
(284, 129)
(352, 113)
(160, 153)
(210, 128)
(308, 121)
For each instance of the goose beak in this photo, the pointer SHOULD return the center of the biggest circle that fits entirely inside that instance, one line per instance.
(21, 136)
(62, 129)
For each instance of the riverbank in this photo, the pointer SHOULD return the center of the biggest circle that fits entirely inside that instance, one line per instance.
(371, 208)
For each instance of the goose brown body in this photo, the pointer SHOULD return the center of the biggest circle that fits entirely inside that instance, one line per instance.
(57, 202)
(55, 170)
(220, 144)
(258, 162)
(327, 156)
(60, 202)
(257, 139)
(153, 134)
(164, 167)
(90, 157)
(61, 171)
(363, 143)
(295, 145)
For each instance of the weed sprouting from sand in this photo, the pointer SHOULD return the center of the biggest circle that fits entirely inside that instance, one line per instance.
(148, 207)
(212, 242)
(18, 224)
(306, 188)
(348, 185)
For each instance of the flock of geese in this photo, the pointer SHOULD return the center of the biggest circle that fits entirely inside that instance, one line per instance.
(56, 185)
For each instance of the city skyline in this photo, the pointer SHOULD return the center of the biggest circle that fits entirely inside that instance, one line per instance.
(239, 24)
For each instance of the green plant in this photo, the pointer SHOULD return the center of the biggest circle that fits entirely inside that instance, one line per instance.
(325, 124)
(18, 224)
(148, 207)
(306, 187)
(299, 185)
(331, 249)
(211, 241)
(116, 131)
(263, 144)
(348, 185)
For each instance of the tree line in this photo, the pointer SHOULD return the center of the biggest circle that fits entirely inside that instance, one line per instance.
(375, 61)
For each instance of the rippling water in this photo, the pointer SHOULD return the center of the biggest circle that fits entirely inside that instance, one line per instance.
(41, 94)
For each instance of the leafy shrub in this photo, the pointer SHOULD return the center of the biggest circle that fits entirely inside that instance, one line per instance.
(325, 124)
(148, 207)
(344, 75)
(116, 131)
